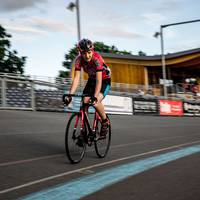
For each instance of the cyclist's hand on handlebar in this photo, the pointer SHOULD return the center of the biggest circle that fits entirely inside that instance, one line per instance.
(67, 100)
(93, 100)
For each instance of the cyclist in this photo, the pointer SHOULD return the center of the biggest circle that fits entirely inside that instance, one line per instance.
(99, 79)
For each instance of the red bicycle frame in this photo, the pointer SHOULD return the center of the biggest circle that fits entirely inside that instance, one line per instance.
(84, 119)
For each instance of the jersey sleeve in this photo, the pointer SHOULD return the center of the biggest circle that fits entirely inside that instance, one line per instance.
(98, 63)
(78, 64)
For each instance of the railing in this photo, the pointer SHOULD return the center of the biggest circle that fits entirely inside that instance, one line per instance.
(45, 93)
(185, 91)
(16, 94)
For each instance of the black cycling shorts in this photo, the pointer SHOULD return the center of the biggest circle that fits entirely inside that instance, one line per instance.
(91, 85)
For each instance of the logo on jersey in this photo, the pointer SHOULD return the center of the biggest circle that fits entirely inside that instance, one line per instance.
(97, 63)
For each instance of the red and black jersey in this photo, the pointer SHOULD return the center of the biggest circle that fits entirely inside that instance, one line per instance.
(94, 65)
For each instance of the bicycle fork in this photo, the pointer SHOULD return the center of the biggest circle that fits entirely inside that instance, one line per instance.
(81, 118)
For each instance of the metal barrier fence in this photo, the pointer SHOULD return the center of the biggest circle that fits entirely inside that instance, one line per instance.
(45, 93)
(22, 92)
(16, 94)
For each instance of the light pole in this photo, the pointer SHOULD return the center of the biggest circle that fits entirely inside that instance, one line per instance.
(71, 7)
(162, 48)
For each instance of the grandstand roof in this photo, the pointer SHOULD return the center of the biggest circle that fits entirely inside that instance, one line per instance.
(155, 57)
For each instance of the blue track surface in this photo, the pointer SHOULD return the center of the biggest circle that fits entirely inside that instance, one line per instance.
(92, 183)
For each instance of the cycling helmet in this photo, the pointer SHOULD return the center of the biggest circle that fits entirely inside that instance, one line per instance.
(85, 45)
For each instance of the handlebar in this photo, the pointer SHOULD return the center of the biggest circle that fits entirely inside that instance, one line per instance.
(77, 95)
(80, 95)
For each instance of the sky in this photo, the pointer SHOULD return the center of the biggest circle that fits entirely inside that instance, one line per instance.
(44, 30)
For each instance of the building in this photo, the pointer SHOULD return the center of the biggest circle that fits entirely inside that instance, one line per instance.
(147, 70)
(133, 73)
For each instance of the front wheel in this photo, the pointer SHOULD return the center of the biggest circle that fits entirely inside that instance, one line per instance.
(74, 142)
(102, 144)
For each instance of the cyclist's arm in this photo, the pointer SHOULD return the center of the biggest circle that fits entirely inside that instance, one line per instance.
(75, 82)
(98, 83)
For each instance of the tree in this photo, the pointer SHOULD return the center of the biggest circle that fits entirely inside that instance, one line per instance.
(141, 53)
(9, 60)
(99, 46)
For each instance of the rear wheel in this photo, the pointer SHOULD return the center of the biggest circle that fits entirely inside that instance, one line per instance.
(102, 144)
(74, 141)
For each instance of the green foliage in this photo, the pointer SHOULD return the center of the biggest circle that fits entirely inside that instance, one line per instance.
(70, 57)
(9, 60)
(64, 74)
(99, 46)
(141, 53)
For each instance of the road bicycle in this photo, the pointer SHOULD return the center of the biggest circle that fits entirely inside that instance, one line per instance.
(82, 131)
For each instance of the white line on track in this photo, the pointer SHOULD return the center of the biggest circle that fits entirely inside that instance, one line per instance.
(29, 160)
(112, 147)
(27, 133)
(93, 166)
(152, 140)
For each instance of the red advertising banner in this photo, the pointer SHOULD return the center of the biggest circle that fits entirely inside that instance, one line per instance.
(170, 107)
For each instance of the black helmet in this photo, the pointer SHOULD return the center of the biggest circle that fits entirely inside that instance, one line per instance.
(85, 45)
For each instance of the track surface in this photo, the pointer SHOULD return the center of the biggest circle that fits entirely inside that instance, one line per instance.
(33, 157)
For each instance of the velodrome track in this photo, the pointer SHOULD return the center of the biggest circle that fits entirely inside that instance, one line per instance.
(153, 153)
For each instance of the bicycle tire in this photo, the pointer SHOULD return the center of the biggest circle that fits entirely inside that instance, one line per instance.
(102, 144)
(74, 142)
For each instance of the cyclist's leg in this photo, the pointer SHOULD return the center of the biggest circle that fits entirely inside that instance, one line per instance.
(105, 121)
(89, 90)
(99, 106)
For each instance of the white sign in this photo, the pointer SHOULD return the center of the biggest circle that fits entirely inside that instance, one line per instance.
(118, 105)
(112, 105)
